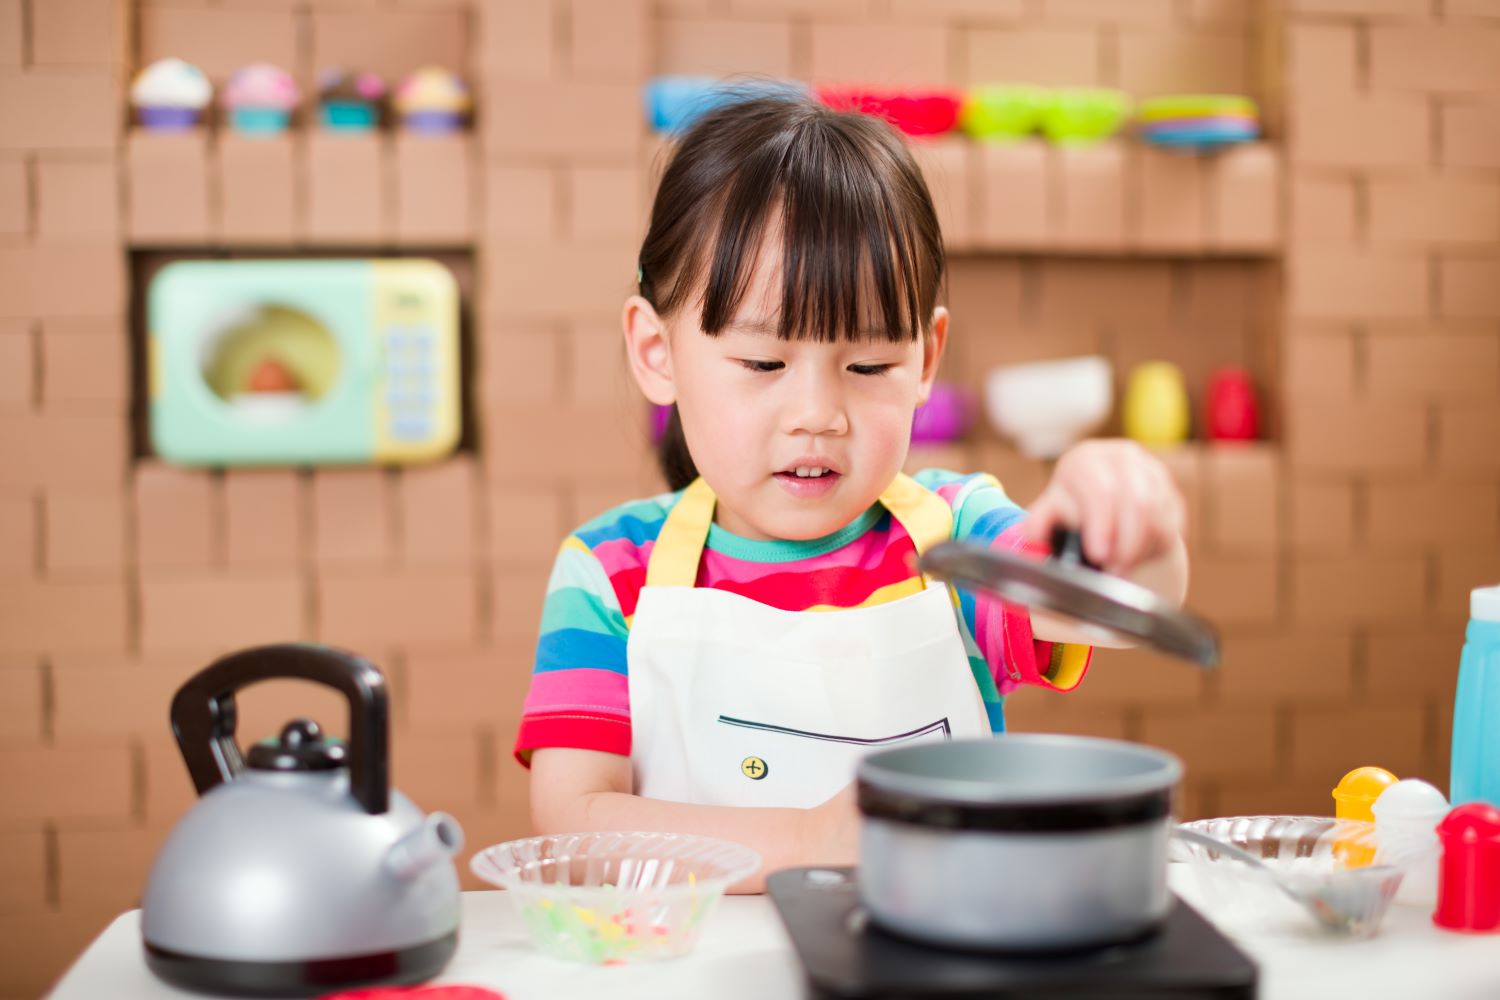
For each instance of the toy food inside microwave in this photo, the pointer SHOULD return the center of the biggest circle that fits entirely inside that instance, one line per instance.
(296, 362)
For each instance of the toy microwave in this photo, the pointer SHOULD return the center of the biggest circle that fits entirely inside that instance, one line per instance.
(297, 362)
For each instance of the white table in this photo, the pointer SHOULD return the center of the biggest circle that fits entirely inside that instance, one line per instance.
(744, 952)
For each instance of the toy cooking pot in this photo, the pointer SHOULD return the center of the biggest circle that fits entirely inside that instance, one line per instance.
(304, 872)
(1029, 842)
(1017, 843)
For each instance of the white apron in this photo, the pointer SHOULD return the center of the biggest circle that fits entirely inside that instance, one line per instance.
(733, 702)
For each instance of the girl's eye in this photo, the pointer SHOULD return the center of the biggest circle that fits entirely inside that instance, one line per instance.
(870, 369)
(762, 366)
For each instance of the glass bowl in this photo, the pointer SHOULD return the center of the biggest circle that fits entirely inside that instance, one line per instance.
(1329, 859)
(609, 898)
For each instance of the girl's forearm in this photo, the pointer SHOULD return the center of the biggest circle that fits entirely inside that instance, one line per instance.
(784, 838)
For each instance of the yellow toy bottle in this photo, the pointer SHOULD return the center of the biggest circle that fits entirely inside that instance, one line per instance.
(1353, 799)
(1156, 404)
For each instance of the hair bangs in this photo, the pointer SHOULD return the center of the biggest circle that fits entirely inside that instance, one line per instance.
(849, 228)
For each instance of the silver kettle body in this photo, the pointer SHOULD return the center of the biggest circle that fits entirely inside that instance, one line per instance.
(298, 871)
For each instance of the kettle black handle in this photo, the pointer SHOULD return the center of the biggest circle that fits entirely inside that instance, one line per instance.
(203, 713)
(1067, 547)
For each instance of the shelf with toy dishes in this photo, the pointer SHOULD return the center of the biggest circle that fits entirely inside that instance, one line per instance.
(280, 167)
(1019, 169)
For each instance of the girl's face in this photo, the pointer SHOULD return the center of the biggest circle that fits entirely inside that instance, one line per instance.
(796, 437)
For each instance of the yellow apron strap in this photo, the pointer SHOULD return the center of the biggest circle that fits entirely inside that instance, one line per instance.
(674, 557)
(926, 516)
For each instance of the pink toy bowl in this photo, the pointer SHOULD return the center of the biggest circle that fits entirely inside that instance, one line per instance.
(916, 113)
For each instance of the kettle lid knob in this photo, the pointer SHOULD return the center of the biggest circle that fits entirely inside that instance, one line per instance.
(300, 747)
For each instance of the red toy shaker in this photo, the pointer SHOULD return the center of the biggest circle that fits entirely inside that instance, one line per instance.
(1232, 411)
(1469, 877)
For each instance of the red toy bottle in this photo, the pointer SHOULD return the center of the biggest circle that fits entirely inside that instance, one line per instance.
(1469, 877)
(1232, 411)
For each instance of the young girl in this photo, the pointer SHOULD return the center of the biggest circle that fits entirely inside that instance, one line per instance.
(714, 660)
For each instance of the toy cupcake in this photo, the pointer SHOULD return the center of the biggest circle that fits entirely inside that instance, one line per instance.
(432, 100)
(259, 98)
(349, 102)
(170, 94)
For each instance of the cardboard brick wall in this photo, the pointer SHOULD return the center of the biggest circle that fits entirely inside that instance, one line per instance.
(1349, 261)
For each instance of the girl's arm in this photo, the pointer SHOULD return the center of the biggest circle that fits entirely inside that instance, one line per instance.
(576, 791)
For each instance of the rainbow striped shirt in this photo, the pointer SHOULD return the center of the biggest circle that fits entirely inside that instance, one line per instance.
(579, 695)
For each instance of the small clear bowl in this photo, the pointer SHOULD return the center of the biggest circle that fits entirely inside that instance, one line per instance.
(1330, 859)
(610, 898)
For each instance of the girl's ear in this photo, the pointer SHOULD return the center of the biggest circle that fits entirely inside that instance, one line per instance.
(933, 344)
(649, 352)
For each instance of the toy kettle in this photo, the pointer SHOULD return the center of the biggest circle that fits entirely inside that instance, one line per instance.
(298, 870)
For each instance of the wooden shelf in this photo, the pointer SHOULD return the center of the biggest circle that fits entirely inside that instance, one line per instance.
(299, 188)
(1116, 197)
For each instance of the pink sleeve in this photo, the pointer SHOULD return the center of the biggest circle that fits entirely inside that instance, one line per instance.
(1003, 632)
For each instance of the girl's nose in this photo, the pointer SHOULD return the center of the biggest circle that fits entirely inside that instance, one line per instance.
(816, 405)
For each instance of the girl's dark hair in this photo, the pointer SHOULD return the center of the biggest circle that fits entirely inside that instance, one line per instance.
(853, 214)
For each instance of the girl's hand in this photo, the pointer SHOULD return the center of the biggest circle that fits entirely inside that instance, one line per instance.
(1120, 496)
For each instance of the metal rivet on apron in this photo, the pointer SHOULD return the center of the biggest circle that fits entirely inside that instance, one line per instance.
(754, 768)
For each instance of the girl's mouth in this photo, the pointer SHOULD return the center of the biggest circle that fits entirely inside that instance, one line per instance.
(808, 481)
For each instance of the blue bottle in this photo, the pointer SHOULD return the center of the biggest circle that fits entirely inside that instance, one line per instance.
(1475, 775)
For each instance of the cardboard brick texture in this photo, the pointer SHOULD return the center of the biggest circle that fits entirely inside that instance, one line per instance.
(391, 42)
(1166, 62)
(85, 366)
(719, 45)
(887, 55)
(15, 197)
(18, 365)
(75, 32)
(1013, 192)
(12, 33)
(222, 39)
(77, 200)
(266, 518)
(434, 177)
(1058, 57)
(168, 199)
(1349, 260)
(610, 39)
(258, 181)
(346, 188)
(73, 109)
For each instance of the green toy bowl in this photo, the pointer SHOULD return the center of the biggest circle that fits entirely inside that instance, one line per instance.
(1083, 115)
(1001, 112)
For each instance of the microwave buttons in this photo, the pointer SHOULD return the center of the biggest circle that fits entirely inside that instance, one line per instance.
(411, 428)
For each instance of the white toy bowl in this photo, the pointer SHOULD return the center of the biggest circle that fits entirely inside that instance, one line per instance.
(1045, 406)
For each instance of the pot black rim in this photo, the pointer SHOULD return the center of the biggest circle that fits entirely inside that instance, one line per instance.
(1064, 816)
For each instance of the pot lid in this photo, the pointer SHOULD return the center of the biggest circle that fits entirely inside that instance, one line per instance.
(1068, 585)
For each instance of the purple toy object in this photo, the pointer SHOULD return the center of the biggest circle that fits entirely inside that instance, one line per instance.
(945, 416)
(660, 417)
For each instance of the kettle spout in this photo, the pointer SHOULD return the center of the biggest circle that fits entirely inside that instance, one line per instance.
(436, 838)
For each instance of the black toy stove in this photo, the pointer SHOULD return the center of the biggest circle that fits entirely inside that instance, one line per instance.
(844, 955)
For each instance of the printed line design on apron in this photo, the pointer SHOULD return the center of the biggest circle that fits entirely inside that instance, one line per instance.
(940, 726)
